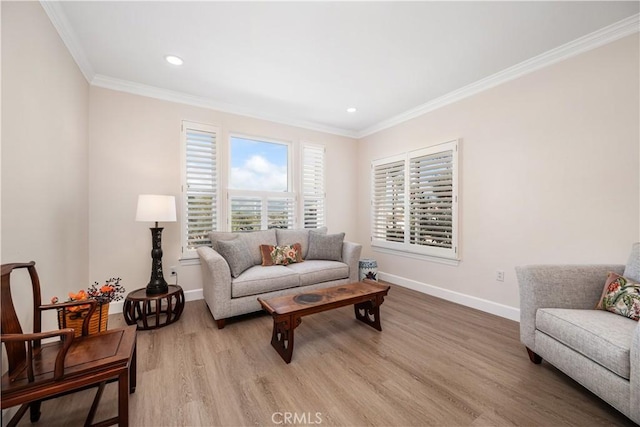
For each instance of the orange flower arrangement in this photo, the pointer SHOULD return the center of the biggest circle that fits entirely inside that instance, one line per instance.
(112, 290)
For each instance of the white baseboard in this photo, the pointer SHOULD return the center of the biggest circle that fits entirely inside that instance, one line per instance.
(501, 310)
(195, 294)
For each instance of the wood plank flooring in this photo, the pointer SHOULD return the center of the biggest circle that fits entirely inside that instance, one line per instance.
(434, 363)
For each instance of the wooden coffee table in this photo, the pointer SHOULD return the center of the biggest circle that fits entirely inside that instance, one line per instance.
(287, 311)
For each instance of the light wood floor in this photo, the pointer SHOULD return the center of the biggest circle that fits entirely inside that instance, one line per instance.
(435, 363)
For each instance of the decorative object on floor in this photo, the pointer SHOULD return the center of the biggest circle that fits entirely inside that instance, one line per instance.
(287, 311)
(73, 317)
(368, 269)
(156, 208)
(152, 311)
(39, 371)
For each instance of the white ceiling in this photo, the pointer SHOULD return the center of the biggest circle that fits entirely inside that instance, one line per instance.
(304, 63)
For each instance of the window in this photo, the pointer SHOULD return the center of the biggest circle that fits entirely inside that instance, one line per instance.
(260, 195)
(267, 184)
(415, 201)
(200, 193)
(313, 193)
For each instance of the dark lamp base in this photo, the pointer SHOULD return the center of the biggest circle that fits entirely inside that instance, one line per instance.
(157, 288)
(157, 284)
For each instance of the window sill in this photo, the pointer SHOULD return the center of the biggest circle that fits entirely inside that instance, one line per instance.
(422, 257)
(189, 261)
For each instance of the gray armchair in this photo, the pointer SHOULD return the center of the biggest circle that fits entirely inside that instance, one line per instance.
(558, 323)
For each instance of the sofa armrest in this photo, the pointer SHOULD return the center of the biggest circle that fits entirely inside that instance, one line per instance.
(558, 286)
(216, 280)
(351, 256)
(634, 379)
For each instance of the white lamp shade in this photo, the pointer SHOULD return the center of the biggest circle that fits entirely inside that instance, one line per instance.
(154, 208)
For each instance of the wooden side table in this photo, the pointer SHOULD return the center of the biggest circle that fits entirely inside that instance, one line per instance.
(153, 311)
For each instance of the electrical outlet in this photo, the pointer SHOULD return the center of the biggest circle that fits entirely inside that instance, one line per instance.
(500, 276)
(173, 270)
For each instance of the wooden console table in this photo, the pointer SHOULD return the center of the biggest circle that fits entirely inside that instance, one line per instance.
(155, 310)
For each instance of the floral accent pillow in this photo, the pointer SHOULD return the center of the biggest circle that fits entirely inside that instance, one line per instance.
(281, 255)
(621, 296)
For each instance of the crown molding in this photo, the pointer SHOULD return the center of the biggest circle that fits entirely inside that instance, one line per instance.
(69, 38)
(580, 45)
(199, 101)
(588, 42)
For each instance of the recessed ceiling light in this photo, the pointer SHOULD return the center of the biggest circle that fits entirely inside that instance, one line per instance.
(352, 110)
(173, 60)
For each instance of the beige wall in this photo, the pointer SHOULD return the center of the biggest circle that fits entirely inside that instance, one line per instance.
(45, 102)
(135, 149)
(549, 174)
(549, 169)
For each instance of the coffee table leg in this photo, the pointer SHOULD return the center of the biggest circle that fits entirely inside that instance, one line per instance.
(282, 338)
(369, 313)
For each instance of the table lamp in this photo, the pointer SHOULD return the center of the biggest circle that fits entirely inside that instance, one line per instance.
(156, 208)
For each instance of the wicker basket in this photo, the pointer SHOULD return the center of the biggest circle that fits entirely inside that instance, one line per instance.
(97, 323)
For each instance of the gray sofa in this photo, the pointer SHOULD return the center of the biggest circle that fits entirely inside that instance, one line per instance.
(558, 323)
(228, 296)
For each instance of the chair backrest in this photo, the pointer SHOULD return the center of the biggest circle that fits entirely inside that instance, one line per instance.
(16, 352)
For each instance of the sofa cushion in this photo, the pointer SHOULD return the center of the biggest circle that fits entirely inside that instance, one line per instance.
(621, 296)
(236, 253)
(632, 269)
(281, 255)
(325, 246)
(259, 280)
(253, 239)
(599, 335)
(315, 271)
(290, 236)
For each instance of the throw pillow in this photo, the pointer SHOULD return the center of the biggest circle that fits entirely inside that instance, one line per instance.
(632, 269)
(281, 255)
(325, 246)
(237, 255)
(621, 296)
(290, 236)
(254, 239)
(216, 236)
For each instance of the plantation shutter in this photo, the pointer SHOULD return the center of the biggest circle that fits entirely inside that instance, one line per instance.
(246, 213)
(414, 202)
(252, 213)
(200, 188)
(431, 195)
(388, 201)
(313, 189)
(280, 212)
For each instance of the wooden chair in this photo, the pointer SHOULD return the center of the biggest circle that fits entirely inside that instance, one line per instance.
(38, 372)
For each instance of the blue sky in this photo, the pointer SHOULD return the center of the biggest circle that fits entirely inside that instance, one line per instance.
(258, 165)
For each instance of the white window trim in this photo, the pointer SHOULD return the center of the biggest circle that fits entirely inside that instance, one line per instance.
(447, 256)
(295, 165)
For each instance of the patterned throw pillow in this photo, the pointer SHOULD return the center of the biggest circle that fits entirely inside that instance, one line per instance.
(621, 296)
(281, 255)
